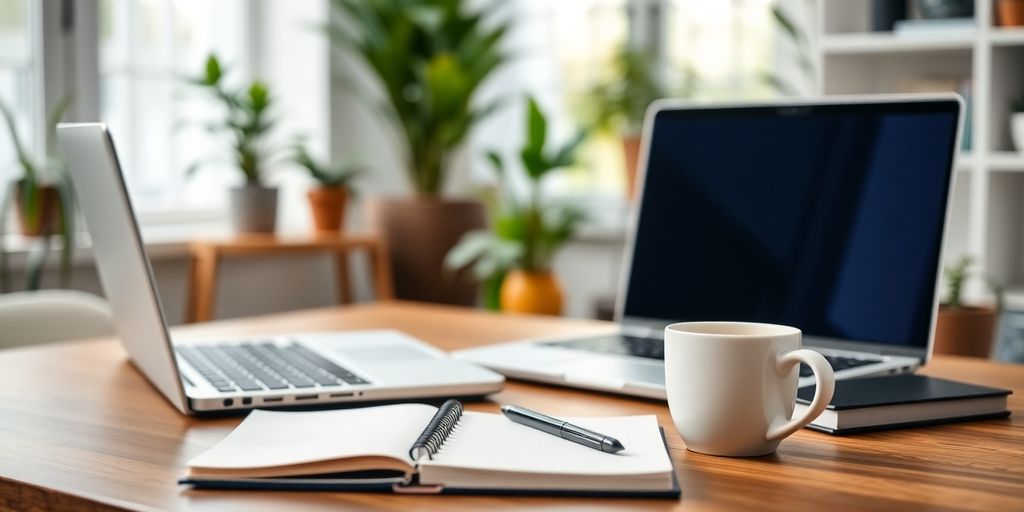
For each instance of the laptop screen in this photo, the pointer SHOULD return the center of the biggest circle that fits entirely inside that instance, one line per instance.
(828, 218)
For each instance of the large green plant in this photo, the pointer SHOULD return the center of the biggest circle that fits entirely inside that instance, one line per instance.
(619, 103)
(246, 121)
(430, 57)
(526, 233)
(26, 193)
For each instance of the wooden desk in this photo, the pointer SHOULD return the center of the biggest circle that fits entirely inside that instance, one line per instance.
(206, 256)
(81, 429)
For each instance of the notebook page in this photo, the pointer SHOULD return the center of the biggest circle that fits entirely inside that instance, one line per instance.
(494, 443)
(280, 438)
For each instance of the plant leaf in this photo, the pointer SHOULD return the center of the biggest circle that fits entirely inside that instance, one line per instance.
(536, 127)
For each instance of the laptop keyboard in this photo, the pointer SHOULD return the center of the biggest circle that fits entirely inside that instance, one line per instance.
(655, 349)
(265, 366)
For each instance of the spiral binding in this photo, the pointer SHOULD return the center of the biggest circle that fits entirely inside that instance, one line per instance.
(437, 431)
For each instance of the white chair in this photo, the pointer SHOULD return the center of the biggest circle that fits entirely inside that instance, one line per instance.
(27, 318)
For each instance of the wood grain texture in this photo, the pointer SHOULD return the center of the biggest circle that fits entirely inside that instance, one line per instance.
(81, 429)
(206, 255)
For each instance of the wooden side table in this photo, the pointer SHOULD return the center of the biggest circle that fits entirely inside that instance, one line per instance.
(206, 256)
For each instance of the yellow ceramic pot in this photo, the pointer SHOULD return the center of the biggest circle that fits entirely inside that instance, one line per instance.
(531, 292)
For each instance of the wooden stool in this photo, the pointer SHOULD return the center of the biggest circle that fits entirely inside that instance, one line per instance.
(207, 254)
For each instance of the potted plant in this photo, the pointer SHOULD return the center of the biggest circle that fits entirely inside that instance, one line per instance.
(622, 100)
(328, 199)
(246, 123)
(962, 329)
(514, 258)
(429, 60)
(1017, 123)
(44, 202)
(1010, 13)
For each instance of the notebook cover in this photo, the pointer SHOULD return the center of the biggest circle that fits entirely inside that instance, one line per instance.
(909, 424)
(896, 390)
(256, 484)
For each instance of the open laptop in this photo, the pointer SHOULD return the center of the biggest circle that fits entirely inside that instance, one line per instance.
(199, 375)
(827, 215)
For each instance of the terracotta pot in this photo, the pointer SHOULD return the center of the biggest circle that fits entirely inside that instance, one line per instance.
(965, 331)
(419, 233)
(631, 150)
(1010, 13)
(531, 292)
(327, 204)
(48, 219)
(253, 209)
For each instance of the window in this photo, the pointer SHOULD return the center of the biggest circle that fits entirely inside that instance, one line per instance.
(147, 48)
(18, 83)
(706, 50)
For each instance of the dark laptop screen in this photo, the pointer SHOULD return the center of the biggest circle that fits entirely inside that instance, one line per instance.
(826, 218)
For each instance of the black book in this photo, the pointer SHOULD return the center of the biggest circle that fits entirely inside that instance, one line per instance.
(878, 403)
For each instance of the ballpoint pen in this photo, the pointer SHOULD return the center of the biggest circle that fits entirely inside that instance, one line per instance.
(563, 429)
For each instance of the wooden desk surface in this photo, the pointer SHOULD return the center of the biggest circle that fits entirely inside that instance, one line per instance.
(81, 429)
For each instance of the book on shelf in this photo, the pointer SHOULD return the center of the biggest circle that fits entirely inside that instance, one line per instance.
(935, 27)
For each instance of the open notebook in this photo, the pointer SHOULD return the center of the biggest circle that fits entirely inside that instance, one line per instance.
(425, 449)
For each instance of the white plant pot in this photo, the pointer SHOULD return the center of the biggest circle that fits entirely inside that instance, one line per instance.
(1017, 130)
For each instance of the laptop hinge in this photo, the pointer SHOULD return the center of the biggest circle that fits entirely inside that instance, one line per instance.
(642, 331)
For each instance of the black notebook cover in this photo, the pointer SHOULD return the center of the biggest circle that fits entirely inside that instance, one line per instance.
(256, 484)
(900, 390)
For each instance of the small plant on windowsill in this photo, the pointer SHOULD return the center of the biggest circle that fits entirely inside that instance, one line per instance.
(963, 329)
(328, 199)
(44, 202)
(247, 124)
(1017, 123)
(513, 259)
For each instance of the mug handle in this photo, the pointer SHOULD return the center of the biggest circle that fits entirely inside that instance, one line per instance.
(825, 386)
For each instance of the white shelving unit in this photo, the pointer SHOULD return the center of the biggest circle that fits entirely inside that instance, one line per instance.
(988, 192)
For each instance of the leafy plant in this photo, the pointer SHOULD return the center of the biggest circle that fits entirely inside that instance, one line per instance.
(956, 275)
(246, 120)
(430, 57)
(1017, 105)
(526, 233)
(620, 103)
(791, 30)
(341, 175)
(27, 194)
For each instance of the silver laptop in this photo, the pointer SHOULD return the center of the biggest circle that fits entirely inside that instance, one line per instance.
(199, 375)
(828, 216)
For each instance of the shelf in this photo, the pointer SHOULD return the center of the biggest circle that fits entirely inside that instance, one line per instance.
(887, 42)
(1006, 161)
(965, 161)
(1007, 36)
(1013, 298)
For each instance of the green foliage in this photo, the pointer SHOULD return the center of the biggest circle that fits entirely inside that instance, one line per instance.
(620, 103)
(430, 57)
(527, 233)
(1017, 105)
(792, 31)
(341, 175)
(246, 120)
(956, 275)
(35, 178)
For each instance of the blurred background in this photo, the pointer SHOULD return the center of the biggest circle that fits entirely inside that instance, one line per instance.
(415, 109)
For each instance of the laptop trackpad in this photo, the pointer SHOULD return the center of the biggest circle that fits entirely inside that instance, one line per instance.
(611, 373)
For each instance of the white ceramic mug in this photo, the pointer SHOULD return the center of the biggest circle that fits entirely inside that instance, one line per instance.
(732, 385)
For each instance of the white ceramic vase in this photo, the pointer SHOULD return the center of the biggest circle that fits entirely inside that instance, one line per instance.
(1017, 130)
